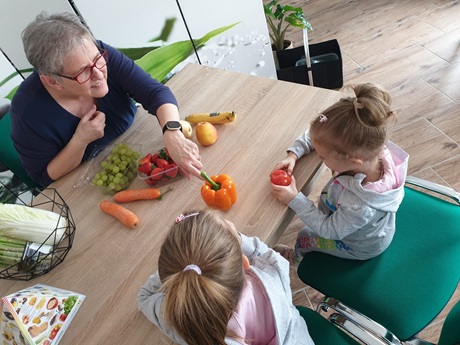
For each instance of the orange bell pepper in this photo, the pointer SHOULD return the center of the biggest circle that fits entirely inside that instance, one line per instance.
(219, 191)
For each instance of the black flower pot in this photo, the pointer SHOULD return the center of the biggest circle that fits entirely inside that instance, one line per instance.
(326, 65)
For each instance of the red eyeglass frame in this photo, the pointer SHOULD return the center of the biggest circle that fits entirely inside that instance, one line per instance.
(104, 54)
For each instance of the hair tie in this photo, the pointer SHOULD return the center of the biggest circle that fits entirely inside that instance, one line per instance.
(181, 217)
(192, 267)
(322, 118)
(358, 105)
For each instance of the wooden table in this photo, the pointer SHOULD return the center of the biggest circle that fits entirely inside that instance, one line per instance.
(109, 263)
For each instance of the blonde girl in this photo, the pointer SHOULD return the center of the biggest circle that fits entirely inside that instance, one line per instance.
(216, 286)
(355, 217)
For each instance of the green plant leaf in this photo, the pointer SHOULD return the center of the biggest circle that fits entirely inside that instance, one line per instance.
(165, 31)
(11, 93)
(14, 74)
(276, 15)
(137, 53)
(159, 62)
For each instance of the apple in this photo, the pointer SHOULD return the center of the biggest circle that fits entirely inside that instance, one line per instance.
(186, 128)
(206, 133)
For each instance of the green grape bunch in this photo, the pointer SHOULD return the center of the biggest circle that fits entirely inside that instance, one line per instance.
(118, 169)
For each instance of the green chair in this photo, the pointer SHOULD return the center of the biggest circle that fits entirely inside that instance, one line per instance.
(322, 331)
(450, 333)
(391, 298)
(8, 154)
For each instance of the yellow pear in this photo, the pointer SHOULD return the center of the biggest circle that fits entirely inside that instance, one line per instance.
(206, 133)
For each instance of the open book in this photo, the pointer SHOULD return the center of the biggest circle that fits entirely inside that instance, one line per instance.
(38, 315)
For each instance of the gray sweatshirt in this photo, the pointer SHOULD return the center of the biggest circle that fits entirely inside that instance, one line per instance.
(272, 270)
(363, 219)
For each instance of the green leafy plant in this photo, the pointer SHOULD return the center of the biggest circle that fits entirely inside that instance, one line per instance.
(158, 61)
(279, 18)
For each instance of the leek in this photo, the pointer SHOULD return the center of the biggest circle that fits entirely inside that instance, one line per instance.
(31, 224)
(11, 251)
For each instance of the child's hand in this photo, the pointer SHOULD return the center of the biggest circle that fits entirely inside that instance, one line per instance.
(287, 164)
(285, 194)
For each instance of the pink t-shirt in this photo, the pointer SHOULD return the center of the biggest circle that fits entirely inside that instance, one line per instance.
(389, 179)
(253, 318)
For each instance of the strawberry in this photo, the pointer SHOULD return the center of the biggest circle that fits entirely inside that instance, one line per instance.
(154, 157)
(145, 168)
(171, 170)
(161, 163)
(156, 174)
(145, 159)
(151, 182)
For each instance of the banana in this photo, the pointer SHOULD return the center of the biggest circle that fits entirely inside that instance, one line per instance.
(214, 118)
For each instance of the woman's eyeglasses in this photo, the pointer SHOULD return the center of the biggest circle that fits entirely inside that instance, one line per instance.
(87, 73)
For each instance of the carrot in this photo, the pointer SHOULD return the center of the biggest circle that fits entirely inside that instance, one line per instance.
(125, 216)
(139, 194)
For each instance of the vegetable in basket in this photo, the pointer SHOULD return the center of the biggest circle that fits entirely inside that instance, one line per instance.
(31, 224)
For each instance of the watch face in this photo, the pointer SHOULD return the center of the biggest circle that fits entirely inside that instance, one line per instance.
(173, 125)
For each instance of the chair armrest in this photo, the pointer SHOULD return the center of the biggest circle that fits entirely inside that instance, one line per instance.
(357, 323)
(434, 187)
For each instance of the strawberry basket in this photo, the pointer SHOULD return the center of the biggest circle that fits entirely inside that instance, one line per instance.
(23, 257)
(157, 168)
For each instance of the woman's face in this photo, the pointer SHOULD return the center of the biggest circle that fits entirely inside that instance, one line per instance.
(79, 59)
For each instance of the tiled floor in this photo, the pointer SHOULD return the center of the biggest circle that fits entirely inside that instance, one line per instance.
(412, 48)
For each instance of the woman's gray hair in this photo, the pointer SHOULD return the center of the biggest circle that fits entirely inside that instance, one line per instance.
(49, 39)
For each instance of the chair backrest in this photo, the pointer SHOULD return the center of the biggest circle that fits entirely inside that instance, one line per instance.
(8, 154)
(405, 287)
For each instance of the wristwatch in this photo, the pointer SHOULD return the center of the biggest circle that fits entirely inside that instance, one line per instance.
(172, 126)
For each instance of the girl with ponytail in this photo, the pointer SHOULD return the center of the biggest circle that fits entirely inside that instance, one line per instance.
(355, 216)
(217, 286)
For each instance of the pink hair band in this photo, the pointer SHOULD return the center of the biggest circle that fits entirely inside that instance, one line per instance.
(322, 118)
(181, 217)
(192, 267)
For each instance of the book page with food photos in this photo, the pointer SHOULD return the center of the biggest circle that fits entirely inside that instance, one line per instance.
(38, 315)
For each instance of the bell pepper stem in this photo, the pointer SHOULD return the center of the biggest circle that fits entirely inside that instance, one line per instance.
(214, 185)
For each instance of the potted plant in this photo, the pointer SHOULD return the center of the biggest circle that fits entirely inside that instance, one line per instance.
(280, 18)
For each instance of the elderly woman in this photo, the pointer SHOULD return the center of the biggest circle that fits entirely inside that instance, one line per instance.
(81, 95)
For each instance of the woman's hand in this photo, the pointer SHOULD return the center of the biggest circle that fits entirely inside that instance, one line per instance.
(287, 164)
(90, 127)
(184, 152)
(285, 194)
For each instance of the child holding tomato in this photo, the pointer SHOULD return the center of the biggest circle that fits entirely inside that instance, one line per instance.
(217, 286)
(355, 216)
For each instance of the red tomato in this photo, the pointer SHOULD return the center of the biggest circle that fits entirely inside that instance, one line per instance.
(280, 178)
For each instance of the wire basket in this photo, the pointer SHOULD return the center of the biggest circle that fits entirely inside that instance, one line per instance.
(38, 259)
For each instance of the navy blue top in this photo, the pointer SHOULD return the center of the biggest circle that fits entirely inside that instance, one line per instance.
(41, 128)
